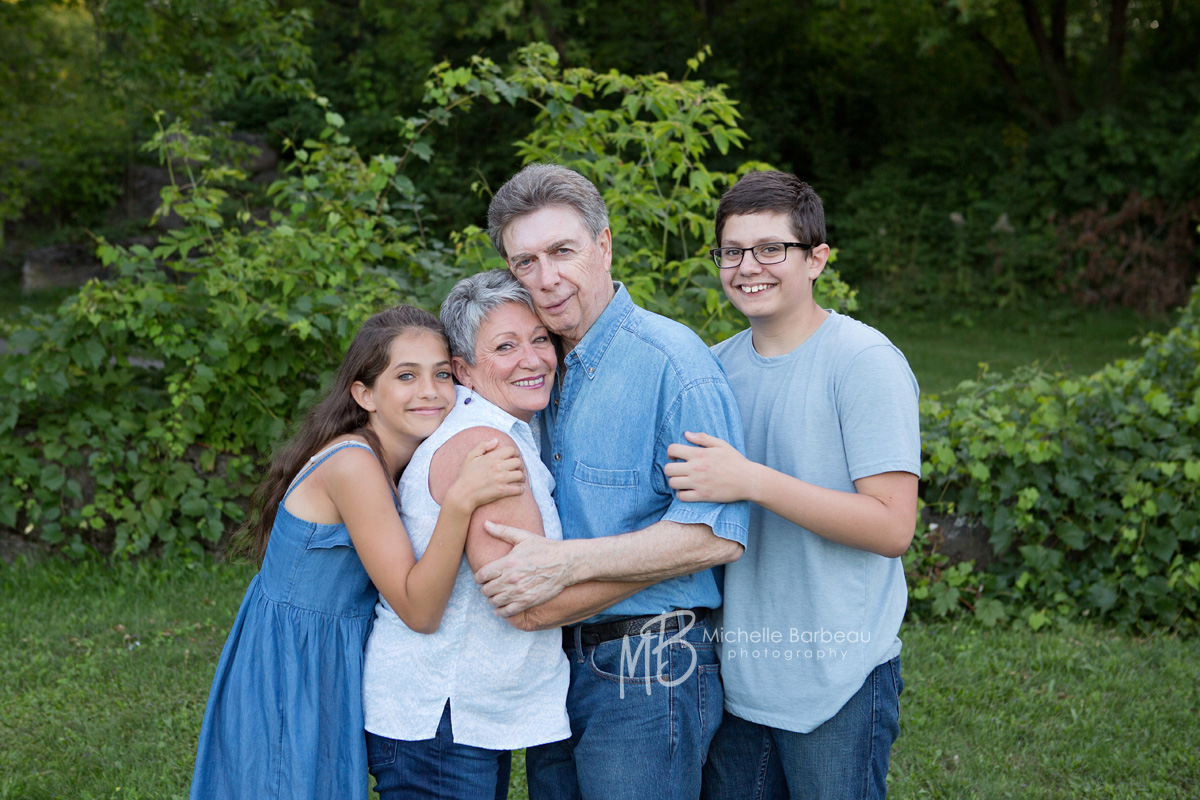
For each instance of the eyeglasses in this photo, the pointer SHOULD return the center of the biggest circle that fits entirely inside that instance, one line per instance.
(765, 253)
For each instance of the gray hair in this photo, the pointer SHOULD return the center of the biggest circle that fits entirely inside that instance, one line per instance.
(540, 186)
(470, 302)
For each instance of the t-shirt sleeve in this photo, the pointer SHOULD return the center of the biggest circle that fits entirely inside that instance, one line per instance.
(877, 399)
(706, 406)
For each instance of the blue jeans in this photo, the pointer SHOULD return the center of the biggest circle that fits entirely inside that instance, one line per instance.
(634, 735)
(437, 768)
(845, 758)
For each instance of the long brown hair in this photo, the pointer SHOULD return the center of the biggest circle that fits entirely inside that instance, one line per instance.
(337, 414)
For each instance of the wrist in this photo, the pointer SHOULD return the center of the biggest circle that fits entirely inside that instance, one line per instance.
(754, 480)
(457, 501)
(576, 567)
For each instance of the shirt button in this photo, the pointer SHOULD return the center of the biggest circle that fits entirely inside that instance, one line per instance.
(558, 456)
(591, 370)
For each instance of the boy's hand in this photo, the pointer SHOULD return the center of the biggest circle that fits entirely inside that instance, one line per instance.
(713, 472)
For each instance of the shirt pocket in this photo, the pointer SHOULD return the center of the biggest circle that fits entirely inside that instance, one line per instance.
(611, 495)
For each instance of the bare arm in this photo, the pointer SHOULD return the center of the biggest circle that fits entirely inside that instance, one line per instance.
(416, 590)
(536, 571)
(520, 512)
(879, 516)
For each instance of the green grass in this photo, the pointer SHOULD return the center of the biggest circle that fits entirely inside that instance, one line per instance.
(107, 671)
(945, 345)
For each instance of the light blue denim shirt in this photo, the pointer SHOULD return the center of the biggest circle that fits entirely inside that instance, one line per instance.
(634, 384)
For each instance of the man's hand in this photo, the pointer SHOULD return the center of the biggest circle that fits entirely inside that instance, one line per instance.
(713, 472)
(534, 571)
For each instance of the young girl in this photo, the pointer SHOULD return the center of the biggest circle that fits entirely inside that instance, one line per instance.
(284, 717)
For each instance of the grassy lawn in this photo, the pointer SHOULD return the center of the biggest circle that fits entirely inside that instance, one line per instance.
(945, 346)
(107, 671)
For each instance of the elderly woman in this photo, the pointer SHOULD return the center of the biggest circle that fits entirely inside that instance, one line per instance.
(442, 710)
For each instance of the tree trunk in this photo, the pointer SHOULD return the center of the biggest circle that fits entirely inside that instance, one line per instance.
(1052, 52)
(1117, 22)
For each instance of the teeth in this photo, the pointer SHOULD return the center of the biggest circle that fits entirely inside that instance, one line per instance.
(758, 287)
(529, 382)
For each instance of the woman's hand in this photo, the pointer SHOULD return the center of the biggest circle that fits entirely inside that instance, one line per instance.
(489, 472)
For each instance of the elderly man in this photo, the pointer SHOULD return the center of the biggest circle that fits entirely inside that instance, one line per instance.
(645, 697)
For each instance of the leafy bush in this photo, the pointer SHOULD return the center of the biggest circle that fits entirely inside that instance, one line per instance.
(138, 412)
(1088, 486)
(1103, 208)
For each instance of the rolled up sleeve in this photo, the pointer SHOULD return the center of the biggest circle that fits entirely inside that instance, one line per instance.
(704, 406)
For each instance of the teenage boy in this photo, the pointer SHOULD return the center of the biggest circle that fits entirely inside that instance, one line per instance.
(809, 652)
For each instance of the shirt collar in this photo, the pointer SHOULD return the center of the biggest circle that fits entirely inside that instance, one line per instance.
(595, 343)
(484, 410)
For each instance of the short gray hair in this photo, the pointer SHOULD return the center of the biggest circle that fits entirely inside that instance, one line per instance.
(470, 302)
(540, 186)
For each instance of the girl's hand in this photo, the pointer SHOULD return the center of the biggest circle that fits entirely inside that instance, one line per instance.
(489, 472)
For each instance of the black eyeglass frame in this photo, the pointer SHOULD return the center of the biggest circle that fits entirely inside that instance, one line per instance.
(716, 253)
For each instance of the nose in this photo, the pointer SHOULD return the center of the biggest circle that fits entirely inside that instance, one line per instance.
(529, 357)
(428, 387)
(749, 265)
(547, 277)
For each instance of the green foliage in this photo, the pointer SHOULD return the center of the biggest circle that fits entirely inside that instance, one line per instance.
(81, 80)
(1103, 207)
(1089, 487)
(644, 141)
(136, 416)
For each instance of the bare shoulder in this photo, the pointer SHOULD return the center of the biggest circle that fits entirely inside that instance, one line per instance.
(351, 465)
(450, 455)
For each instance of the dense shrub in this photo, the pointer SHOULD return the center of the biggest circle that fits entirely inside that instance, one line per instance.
(1089, 487)
(1103, 208)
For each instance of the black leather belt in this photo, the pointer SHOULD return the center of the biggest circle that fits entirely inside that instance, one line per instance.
(597, 633)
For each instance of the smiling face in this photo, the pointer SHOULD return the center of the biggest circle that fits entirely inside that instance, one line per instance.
(514, 361)
(412, 396)
(565, 269)
(777, 295)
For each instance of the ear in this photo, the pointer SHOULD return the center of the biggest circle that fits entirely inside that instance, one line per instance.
(818, 257)
(363, 396)
(605, 242)
(461, 371)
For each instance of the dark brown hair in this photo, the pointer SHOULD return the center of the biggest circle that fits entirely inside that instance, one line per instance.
(778, 193)
(337, 414)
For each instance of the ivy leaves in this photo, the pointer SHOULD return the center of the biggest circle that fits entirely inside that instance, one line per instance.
(1088, 486)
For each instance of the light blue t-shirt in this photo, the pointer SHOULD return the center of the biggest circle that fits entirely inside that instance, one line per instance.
(632, 386)
(806, 620)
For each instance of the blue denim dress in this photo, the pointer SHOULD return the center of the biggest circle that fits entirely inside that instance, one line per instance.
(284, 716)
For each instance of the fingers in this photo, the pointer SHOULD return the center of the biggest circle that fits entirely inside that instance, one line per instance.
(506, 533)
(703, 439)
(482, 448)
(681, 452)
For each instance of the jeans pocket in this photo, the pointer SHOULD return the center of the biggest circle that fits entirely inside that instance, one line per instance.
(712, 705)
(630, 659)
(897, 680)
(381, 751)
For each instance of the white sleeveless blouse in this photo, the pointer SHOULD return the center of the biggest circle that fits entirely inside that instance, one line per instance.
(507, 688)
